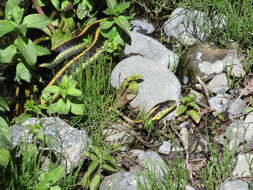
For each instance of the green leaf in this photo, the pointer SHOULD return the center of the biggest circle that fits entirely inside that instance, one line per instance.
(22, 72)
(194, 115)
(91, 169)
(22, 29)
(3, 105)
(106, 24)
(36, 21)
(109, 168)
(7, 54)
(248, 109)
(62, 107)
(111, 3)
(28, 50)
(40, 51)
(56, 4)
(54, 175)
(194, 106)
(5, 134)
(117, 9)
(83, 9)
(123, 23)
(74, 92)
(77, 109)
(6, 27)
(95, 181)
(181, 109)
(53, 89)
(4, 157)
(55, 188)
(187, 99)
(13, 11)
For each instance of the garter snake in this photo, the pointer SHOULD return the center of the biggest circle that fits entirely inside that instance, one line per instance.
(76, 47)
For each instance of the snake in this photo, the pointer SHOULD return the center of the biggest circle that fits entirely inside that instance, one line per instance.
(78, 50)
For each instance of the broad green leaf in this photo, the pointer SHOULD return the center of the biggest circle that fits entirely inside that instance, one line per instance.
(77, 109)
(6, 27)
(4, 157)
(7, 54)
(194, 115)
(83, 9)
(123, 23)
(194, 106)
(52, 89)
(62, 107)
(111, 3)
(40, 51)
(54, 175)
(180, 110)
(95, 182)
(56, 4)
(74, 92)
(109, 168)
(55, 188)
(13, 11)
(22, 28)
(22, 73)
(117, 9)
(36, 21)
(5, 134)
(3, 105)
(187, 99)
(65, 82)
(91, 169)
(28, 50)
(106, 24)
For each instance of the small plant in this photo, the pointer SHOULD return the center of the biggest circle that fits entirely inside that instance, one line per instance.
(189, 108)
(66, 90)
(100, 162)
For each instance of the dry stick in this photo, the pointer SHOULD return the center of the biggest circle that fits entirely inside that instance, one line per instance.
(40, 11)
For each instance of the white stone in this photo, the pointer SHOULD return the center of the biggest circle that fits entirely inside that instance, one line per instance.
(243, 165)
(219, 103)
(159, 83)
(165, 148)
(142, 25)
(219, 84)
(151, 48)
(234, 185)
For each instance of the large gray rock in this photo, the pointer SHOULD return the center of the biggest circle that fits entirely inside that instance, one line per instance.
(219, 103)
(142, 25)
(129, 180)
(150, 48)
(207, 61)
(234, 185)
(159, 83)
(187, 26)
(69, 142)
(119, 181)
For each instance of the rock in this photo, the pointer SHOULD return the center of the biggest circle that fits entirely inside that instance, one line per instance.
(159, 83)
(142, 26)
(244, 165)
(153, 162)
(119, 181)
(136, 152)
(150, 48)
(248, 127)
(234, 185)
(187, 26)
(207, 61)
(219, 103)
(117, 134)
(188, 187)
(129, 180)
(165, 148)
(237, 107)
(219, 84)
(64, 140)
